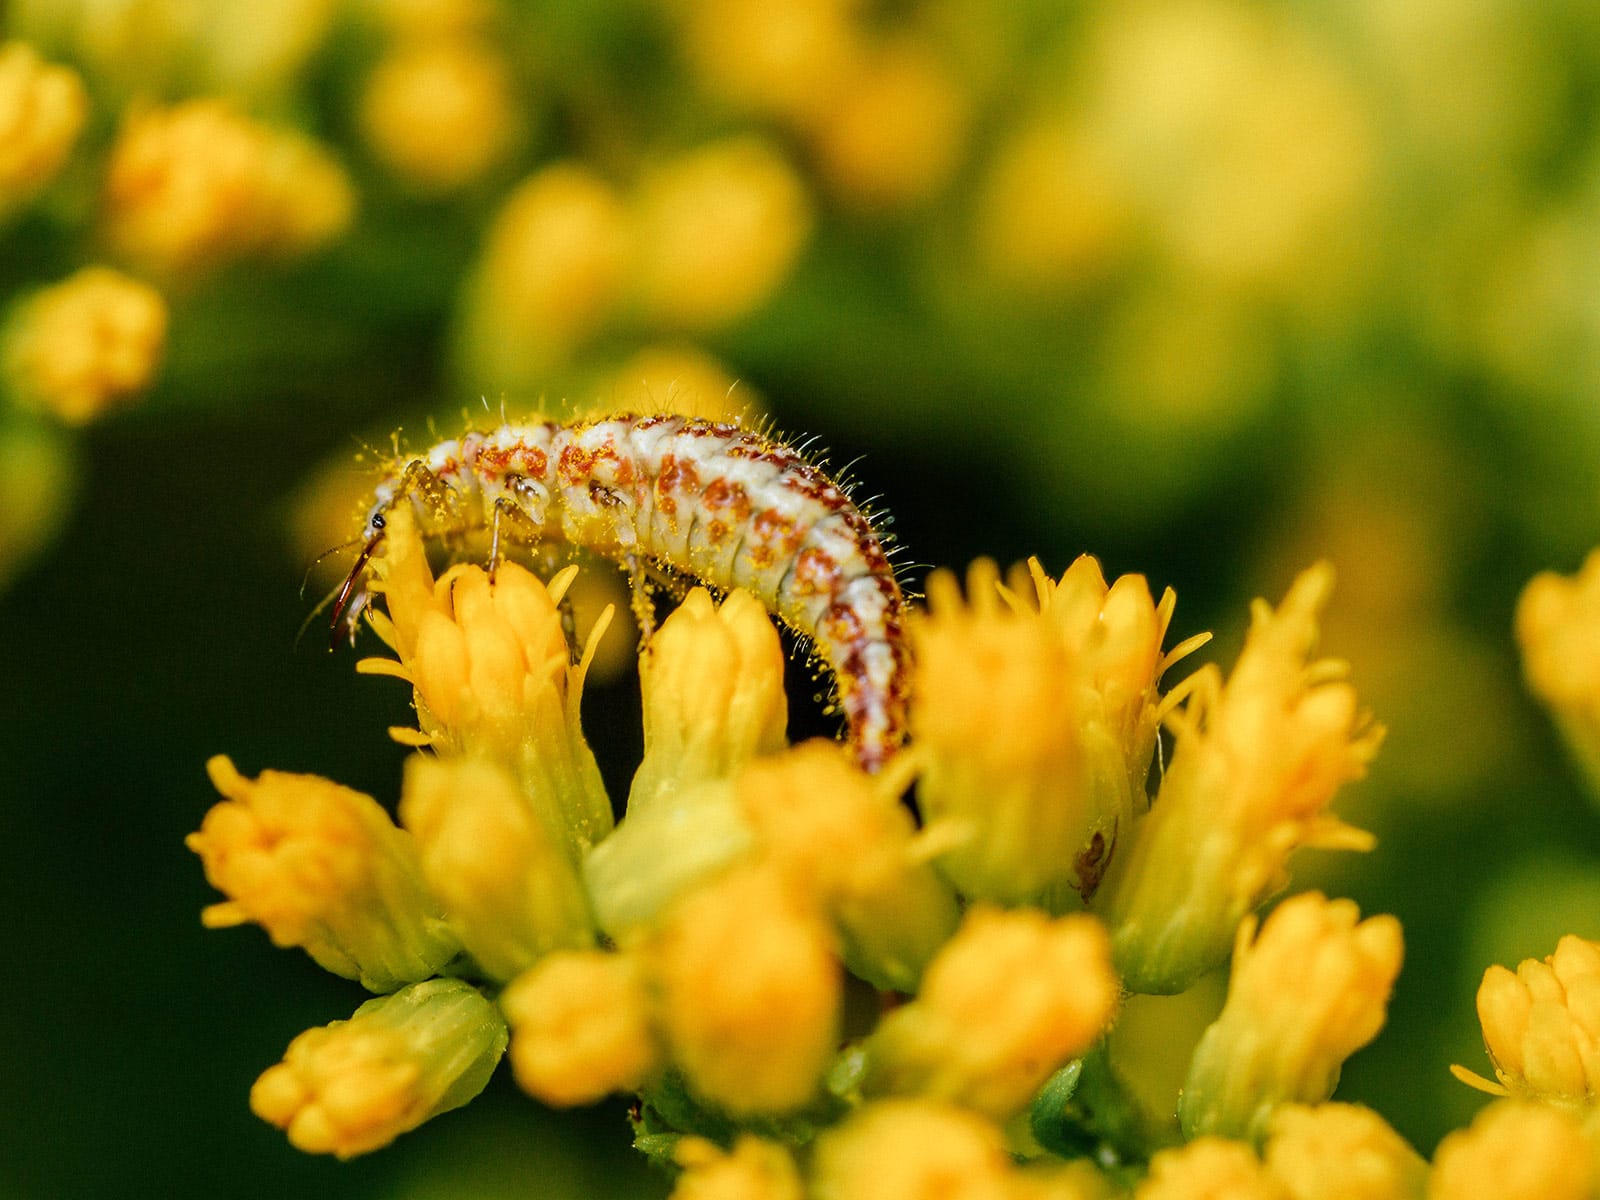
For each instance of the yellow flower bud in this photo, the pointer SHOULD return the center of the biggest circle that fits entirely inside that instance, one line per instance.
(551, 274)
(716, 231)
(354, 1086)
(844, 837)
(42, 111)
(1515, 1151)
(321, 867)
(1012, 997)
(1341, 1152)
(1306, 994)
(1542, 1024)
(895, 131)
(753, 1170)
(712, 682)
(507, 885)
(1558, 629)
(440, 113)
(198, 186)
(911, 1150)
(84, 346)
(1210, 1168)
(491, 677)
(581, 1028)
(1257, 762)
(749, 992)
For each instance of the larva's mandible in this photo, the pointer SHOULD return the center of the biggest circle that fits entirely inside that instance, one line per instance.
(723, 505)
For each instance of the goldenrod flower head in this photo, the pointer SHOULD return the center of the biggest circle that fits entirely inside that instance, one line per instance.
(81, 347)
(441, 113)
(1257, 762)
(896, 129)
(712, 682)
(716, 230)
(321, 867)
(198, 186)
(844, 836)
(581, 1027)
(911, 1150)
(753, 1170)
(1012, 997)
(1341, 1152)
(42, 111)
(749, 992)
(682, 379)
(508, 886)
(1209, 1168)
(354, 1086)
(1514, 1150)
(1034, 726)
(551, 272)
(1541, 1024)
(489, 667)
(782, 60)
(1306, 994)
(1558, 629)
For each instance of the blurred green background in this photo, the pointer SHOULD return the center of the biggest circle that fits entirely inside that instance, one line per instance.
(1208, 288)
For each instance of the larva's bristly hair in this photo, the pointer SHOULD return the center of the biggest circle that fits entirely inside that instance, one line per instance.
(716, 503)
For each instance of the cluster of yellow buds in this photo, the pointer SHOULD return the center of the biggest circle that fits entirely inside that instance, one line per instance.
(717, 950)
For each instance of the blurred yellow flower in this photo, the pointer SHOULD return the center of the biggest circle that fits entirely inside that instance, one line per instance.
(37, 482)
(844, 838)
(321, 867)
(679, 378)
(1515, 1151)
(1541, 1025)
(1010, 999)
(354, 1086)
(81, 347)
(782, 60)
(42, 111)
(551, 273)
(1558, 630)
(1256, 764)
(749, 992)
(1341, 1152)
(1209, 1168)
(895, 132)
(582, 1027)
(1304, 995)
(911, 1150)
(199, 185)
(507, 884)
(716, 231)
(441, 113)
(753, 1170)
(433, 18)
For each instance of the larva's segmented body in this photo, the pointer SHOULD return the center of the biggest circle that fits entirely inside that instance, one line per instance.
(721, 504)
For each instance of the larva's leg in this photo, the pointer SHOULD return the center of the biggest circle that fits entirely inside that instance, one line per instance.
(420, 480)
(508, 516)
(639, 599)
(569, 627)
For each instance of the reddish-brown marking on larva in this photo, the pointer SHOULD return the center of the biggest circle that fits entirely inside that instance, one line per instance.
(573, 467)
(679, 492)
(815, 573)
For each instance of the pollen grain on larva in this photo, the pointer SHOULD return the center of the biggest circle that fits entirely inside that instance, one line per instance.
(722, 505)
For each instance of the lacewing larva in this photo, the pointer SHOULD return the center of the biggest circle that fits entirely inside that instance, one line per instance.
(725, 506)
